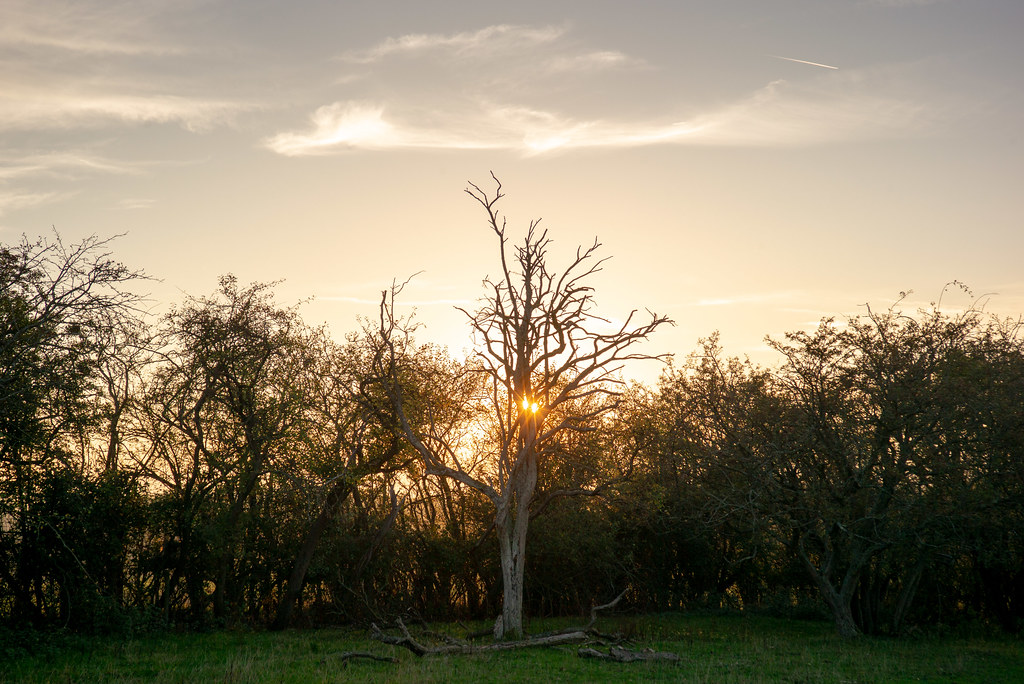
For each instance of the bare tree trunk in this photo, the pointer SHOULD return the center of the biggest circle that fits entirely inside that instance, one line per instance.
(512, 542)
(512, 529)
(838, 600)
(842, 613)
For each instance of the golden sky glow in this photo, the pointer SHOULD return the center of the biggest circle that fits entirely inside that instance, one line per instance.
(750, 167)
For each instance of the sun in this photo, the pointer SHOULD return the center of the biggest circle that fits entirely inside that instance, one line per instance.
(530, 406)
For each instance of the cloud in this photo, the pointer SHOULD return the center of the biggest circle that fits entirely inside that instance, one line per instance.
(70, 64)
(10, 201)
(30, 108)
(536, 131)
(60, 164)
(778, 115)
(338, 125)
(592, 61)
(346, 126)
(20, 172)
(785, 113)
(101, 28)
(445, 102)
(132, 203)
(491, 39)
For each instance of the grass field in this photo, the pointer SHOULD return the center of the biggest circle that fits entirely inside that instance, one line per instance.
(723, 648)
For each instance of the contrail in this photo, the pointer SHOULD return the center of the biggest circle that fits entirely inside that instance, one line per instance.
(804, 61)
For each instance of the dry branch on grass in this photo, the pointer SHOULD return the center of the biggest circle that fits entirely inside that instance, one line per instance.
(589, 627)
(571, 635)
(458, 647)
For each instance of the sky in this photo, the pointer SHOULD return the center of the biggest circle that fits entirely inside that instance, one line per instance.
(750, 166)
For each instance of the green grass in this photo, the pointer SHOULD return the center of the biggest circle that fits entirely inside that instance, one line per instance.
(715, 648)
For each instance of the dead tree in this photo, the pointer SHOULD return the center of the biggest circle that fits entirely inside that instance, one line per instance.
(550, 365)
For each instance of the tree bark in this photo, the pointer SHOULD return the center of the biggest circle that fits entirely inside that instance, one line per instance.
(842, 614)
(838, 601)
(512, 523)
(512, 543)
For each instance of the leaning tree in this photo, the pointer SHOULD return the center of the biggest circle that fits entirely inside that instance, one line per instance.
(549, 366)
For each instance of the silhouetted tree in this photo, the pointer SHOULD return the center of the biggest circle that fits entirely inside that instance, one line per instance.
(54, 298)
(353, 435)
(543, 353)
(231, 400)
(859, 453)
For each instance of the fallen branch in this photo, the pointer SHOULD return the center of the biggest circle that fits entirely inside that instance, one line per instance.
(624, 655)
(571, 635)
(406, 640)
(589, 627)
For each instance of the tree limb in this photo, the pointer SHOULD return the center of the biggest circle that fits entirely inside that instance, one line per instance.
(406, 640)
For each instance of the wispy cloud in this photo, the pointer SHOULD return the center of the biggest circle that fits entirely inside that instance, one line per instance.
(342, 126)
(490, 39)
(32, 108)
(10, 201)
(60, 164)
(784, 113)
(778, 115)
(133, 203)
(448, 103)
(99, 27)
(592, 61)
(21, 173)
(84, 63)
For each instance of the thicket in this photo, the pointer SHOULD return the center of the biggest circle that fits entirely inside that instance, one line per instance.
(229, 464)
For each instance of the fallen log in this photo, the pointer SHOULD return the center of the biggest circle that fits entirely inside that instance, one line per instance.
(406, 640)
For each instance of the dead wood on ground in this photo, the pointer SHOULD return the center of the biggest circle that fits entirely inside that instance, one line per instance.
(572, 635)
